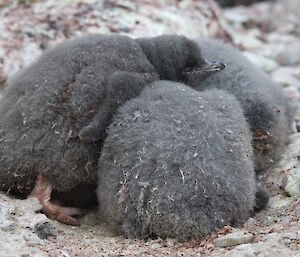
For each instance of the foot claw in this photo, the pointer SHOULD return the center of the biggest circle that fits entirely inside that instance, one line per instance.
(42, 191)
(54, 212)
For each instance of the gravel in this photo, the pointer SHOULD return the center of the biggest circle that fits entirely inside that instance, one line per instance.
(237, 238)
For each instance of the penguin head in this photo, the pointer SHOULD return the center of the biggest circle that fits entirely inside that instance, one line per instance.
(202, 71)
(177, 58)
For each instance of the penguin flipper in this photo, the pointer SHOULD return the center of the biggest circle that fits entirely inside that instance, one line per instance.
(123, 86)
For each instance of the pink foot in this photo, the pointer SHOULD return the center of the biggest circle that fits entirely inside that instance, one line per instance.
(42, 191)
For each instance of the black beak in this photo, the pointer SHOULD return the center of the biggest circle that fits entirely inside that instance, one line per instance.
(205, 69)
(214, 66)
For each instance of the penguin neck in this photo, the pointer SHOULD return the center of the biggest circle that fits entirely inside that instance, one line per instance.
(195, 78)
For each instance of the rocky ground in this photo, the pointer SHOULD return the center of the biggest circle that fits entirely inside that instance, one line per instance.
(267, 33)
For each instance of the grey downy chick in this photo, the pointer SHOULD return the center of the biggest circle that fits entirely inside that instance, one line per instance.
(173, 58)
(177, 163)
(177, 58)
(53, 116)
(45, 107)
(267, 110)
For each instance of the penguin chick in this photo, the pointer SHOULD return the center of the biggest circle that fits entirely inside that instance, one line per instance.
(176, 58)
(265, 107)
(177, 163)
(67, 97)
(45, 107)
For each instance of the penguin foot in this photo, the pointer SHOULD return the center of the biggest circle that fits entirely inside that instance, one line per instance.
(42, 191)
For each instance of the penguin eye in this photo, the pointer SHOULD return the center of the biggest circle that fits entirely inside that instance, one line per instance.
(188, 69)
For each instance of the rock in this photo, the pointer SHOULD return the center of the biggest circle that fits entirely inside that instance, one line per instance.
(268, 65)
(4, 212)
(32, 204)
(245, 250)
(170, 242)
(279, 201)
(235, 17)
(292, 93)
(250, 223)
(285, 77)
(297, 212)
(262, 249)
(132, 247)
(32, 240)
(8, 225)
(289, 167)
(29, 220)
(7, 220)
(16, 220)
(236, 238)
(20, 244)
(267, 220)
(289, 56)
(280, 213)
(26, 213)
(293, 185)
(297, 114)
(286, 220)
(248, 41)
(297, 72)
(45, 230)
(156, 246)
(292, 236)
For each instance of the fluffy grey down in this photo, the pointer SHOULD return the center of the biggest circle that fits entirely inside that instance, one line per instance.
(46, 105)
(177, 163)
(265, 107)
(54, 113)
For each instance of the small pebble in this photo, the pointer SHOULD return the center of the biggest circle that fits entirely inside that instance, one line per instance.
(32, 203)
(250, 222)
(285, 77)
(132, 247)
(45, 230)
(280, 202)
(291, 236)
(8, 225)
(32, 240)
(289, 56)
(267, 220)
(268, 65)
(233, 239)
(156, 246)
(170, 242)
(297, 212)
(280, 213)
(287, 220)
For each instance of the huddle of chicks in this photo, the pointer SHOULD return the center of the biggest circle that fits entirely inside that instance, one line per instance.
(170, 140)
